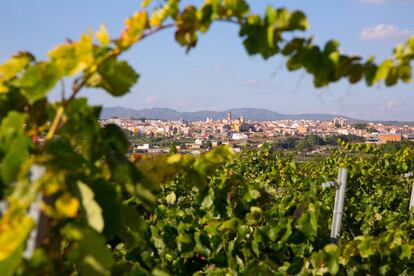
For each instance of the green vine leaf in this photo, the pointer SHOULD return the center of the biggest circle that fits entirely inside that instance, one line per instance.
(115, 77)
(93, 211)
(88, 250)
(38, 80)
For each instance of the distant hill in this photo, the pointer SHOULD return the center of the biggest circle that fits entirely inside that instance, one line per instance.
(256, 114)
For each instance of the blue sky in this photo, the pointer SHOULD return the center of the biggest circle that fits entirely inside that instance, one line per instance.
(219, 74)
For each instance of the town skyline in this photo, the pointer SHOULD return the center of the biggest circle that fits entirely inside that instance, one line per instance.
(218, 74)
(164, 113)
(238, 131)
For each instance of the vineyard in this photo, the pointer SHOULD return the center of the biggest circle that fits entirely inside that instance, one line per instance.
(74, 203)
(261, 213)
(225, 213)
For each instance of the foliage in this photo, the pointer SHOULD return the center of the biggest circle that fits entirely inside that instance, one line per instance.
(394, 146)
(173, 148)
(304, 145)
(364, 126)
(361, 126)
(103, 212)
(350, 138)
(208, 144)
(268, 214)
(311, 142)
(288, 143)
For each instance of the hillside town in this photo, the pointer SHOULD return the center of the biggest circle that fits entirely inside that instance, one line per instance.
(199, 136)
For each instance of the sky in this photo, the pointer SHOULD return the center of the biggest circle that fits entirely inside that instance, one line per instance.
(219, 74)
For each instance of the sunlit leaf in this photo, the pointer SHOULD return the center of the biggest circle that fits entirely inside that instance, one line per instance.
(93, 211)
(116, 77)
(103, 36)
(88, 250)
(307, 223)
(67, 205)
(15, 227)
(38, 80)
(15, 65)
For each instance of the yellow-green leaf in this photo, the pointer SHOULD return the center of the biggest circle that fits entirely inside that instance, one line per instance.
(134, 27)
(307, 223)
(116, 77)
(93, 211)
(103, 36)
(88, 249)
(332, 258)
(366, 247)
(13, 66)
(3, 88)
(383, 70)
(66, 58)
(15, 227)
(145, 3)
(38, 80)
(67, 205)
(228, 224)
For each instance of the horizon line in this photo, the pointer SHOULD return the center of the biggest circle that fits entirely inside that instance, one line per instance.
(266, 109)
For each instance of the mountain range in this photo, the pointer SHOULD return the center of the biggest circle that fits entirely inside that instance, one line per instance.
(256, 114)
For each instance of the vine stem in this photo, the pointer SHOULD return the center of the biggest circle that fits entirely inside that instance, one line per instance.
(78, 86)
(56, 121)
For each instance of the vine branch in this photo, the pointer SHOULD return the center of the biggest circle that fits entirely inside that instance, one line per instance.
(82, 81)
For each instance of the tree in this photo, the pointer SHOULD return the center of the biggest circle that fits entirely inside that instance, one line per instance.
(80, 171)
(315, 140)
(139, 119)
(173, 147)
(361, 126)
(350, 138)
(208, 144)
(304, 145)
(393, 147)
(286, 143)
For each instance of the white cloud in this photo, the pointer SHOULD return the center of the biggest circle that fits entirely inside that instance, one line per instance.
(253, 82)
(156, 101)
(151, 100)
(382, 31)
(390, 104)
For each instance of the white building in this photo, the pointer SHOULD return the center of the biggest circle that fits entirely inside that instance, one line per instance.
(143, 147)
(239, 136)
(199, 142)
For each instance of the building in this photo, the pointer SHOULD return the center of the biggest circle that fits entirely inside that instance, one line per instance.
(229, 118)
(115, 120)
(388, 137)
(303, 130)
(343, 131)
(199, 142)
(239, 136)
(410, 137)
(216, 143)
(339, 121)
(143, 147)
